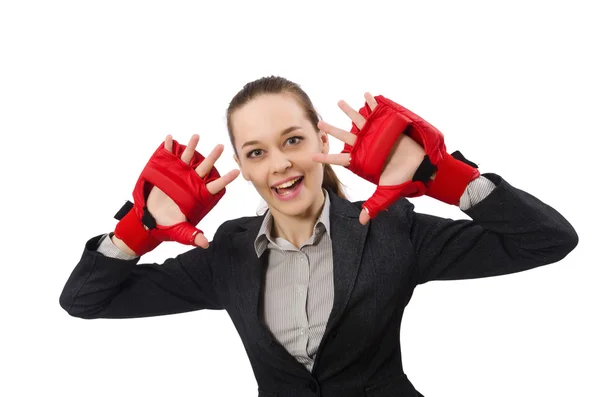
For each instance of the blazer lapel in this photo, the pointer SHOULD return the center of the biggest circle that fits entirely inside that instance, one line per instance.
(250, 271)
(348, 239)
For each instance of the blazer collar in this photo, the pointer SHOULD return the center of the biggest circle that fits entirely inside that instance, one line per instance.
(264, 235)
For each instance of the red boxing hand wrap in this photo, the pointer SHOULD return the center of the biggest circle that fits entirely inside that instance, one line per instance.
(178, 180)
(383, 127)
(374, 141)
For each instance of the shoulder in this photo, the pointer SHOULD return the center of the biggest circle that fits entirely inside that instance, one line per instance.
(390, 228)
(400, 209)
(239, 225)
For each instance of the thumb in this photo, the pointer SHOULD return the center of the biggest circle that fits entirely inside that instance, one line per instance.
(200, 240)
(186, 231)
(383, 197)
(183, 233)
(364, 216)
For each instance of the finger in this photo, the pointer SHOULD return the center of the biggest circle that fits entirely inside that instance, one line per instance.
(209, 161)
(364, 217)
(356, 117)
(201, 241)
(188, 153)
(216, 186)
(371, 101)
(340, 134)
(342, 159)
(169, 143)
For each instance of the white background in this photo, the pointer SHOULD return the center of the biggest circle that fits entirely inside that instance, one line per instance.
(89, 89)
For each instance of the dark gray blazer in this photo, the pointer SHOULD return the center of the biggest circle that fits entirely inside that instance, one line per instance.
(376, 268)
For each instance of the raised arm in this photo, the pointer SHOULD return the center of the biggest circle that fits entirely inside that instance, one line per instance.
(510, 231)
(107, 287)
(175, 190)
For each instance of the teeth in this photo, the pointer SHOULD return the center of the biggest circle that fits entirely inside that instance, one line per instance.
(287, 184)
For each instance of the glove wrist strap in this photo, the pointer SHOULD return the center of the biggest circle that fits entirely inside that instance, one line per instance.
(453, 174)
(131, 230)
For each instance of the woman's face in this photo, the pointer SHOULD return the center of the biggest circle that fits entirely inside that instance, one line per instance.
(275, 142)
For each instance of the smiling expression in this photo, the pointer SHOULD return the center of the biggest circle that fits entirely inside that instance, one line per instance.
(275, 141)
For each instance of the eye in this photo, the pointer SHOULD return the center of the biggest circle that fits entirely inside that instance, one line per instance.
(296, 139)
(250, 153)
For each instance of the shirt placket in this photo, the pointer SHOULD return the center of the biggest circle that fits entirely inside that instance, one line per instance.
(302, 286)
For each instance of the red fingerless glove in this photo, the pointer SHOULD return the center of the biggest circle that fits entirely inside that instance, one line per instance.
(374, 141)
(183, 185)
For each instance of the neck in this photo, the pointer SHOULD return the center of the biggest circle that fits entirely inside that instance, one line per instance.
(297, 228)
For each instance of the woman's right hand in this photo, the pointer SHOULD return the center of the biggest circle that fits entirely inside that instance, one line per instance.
(164, 210)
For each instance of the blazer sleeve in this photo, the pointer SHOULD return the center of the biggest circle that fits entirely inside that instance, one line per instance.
(510, 231)
(105, 287)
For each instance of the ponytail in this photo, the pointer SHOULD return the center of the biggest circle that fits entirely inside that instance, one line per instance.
(331, 181)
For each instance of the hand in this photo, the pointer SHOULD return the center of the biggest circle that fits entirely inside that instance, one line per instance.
(164, 210)
(403, 159)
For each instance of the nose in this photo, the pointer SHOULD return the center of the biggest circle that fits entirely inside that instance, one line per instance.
(280, 162)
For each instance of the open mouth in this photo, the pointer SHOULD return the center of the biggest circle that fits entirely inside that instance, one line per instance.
(284, 191)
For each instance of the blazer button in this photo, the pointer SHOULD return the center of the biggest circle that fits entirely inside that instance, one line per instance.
(312, 387)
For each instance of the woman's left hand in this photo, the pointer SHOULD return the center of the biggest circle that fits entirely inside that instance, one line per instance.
(403, 160)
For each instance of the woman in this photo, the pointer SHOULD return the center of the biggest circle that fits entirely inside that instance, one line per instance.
(317, 286)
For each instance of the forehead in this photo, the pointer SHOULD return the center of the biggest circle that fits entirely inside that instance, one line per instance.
(266, 116)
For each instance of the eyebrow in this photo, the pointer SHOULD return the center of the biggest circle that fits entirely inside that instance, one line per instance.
(286, 131)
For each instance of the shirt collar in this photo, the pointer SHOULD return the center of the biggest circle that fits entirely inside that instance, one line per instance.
(264, 234)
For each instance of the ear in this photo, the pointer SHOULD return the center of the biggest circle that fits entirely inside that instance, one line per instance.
(324, 141)
(237, 160)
